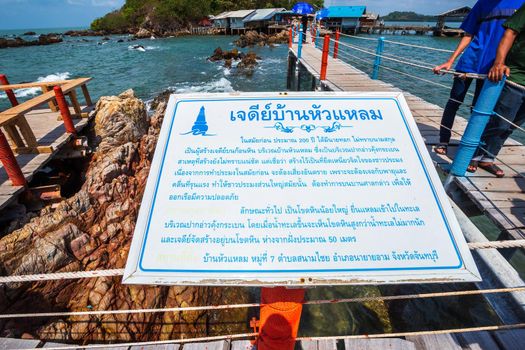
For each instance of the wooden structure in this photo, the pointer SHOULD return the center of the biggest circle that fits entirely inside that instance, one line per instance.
(261, 19)
(499, 340)
(501, 199)
(440, 29)
(345, 19)
(35, 133)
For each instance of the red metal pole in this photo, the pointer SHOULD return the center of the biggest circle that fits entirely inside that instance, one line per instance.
(336, 44)
(280, 315)
(324, 60)
(64, 110)
(10, 164)
(290, 38)
(10, 94)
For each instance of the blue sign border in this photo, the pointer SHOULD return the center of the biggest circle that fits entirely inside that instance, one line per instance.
(456, 267)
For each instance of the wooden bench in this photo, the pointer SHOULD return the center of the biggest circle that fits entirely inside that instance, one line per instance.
(14, 122)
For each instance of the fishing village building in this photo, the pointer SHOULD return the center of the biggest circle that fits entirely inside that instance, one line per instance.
(344, 18)
(260, 19)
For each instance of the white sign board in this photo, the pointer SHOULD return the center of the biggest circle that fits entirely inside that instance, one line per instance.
(294, 189)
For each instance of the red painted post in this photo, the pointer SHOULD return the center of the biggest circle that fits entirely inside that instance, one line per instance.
(336, 44)
(10, 164)
(64, 110)
(290, 38)
(280, 315)
(324, 60)
(10, 94)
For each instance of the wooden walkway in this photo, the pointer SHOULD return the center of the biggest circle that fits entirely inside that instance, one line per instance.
(500, 340)
(50, 132)
(502, 200)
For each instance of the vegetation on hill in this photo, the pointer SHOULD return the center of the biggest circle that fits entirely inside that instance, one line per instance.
(171, 15)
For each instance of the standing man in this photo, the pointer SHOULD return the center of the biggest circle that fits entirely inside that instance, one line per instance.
(304, 22)
(483, 31)
(510, 61)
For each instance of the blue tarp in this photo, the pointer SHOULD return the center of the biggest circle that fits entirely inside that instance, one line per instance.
(346, 11)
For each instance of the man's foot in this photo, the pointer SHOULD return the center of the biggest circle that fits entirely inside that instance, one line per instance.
(492, 168)
(442, 149)
(473, 166)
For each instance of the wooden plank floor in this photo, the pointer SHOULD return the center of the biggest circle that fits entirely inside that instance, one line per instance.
(502, 200)
(49, 131)
(501, 340)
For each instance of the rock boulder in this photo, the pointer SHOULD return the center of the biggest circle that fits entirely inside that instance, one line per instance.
(92, 230)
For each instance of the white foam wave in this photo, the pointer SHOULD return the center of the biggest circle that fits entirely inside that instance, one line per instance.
(34, 91)
(142, 48)
(221, 85)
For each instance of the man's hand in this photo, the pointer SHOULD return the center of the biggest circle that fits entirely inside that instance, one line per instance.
(445, 66)
(497, 71)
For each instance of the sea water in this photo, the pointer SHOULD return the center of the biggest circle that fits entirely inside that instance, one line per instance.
(182, 65)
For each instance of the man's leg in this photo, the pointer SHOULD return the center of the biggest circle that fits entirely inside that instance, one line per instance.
(511, 106)
(457, 93)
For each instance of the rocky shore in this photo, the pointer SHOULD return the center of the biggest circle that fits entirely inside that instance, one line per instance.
(44, 39)
(253, 38)
(92, 230)
(245, 63)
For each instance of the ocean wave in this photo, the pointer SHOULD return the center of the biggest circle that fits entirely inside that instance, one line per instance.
(221, 85)
(34, 91)
(142, 48)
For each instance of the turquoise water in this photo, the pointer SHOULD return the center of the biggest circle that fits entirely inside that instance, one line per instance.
(181, 64)
(177, 63)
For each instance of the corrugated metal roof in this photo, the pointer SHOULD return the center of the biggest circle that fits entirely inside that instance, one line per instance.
(222, 15)
(458, 12)
(346, 11)
(262, 14)
(240, 13)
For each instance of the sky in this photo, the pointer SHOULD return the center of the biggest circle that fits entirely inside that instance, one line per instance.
(29, 14)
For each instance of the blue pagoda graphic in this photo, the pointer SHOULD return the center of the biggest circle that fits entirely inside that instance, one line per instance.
(200, 127)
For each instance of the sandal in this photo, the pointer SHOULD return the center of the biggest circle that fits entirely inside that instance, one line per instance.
(473, 166)
(441, 149)
(492, 168)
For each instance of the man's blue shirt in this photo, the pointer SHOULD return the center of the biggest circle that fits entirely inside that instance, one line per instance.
(485, 24)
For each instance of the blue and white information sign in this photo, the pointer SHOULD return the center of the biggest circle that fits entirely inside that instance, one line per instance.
(294, 189)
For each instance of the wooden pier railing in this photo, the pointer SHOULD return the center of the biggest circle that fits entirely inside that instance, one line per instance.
(31, 128)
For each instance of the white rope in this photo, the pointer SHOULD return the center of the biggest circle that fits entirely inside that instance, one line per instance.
(398, 43)
(350, 56)
(418, 46)
(61, 276)
(358, 37)
(519, 174)
(428, 67)
(254, 305)
(416, 77)
(119, 272)
(410, 334)
(411, 62)
(157, 342)
(518, 243)
(250, 335)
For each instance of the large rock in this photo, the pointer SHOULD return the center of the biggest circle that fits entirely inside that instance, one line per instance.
(143, 33)
(253, 38)
(92, 230)
(44, 39)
